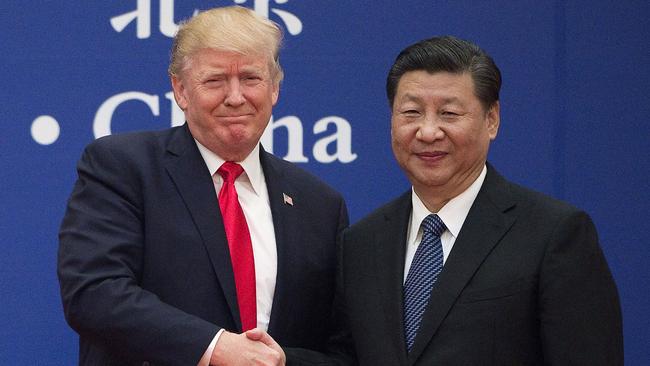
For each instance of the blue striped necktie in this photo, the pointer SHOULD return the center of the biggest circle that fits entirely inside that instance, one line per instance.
(426, 265)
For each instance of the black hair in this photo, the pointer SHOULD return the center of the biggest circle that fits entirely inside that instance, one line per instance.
(449, 54)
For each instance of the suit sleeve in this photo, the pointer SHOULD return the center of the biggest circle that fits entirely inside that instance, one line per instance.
(340, 347)
(100, 263)
(580, 314)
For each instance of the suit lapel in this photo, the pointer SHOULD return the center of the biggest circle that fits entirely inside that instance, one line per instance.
(488, 220)
(287, 239)
(390, 257)
(189, 173)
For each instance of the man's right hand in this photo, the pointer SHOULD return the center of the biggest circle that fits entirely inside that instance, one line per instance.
(237, 349)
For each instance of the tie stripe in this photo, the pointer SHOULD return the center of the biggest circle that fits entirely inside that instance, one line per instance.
(426, 265)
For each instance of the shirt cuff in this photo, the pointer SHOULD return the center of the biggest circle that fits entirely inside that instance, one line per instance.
(205, 360)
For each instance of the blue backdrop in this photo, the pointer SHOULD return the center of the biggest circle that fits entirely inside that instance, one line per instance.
(574, 124)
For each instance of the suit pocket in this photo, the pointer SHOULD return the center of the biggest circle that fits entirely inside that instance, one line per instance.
(495, 292)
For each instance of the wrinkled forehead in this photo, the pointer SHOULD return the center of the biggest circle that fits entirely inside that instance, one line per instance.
(213, 58)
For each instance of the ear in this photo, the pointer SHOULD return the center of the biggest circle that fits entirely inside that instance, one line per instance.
(275, 93)
(493, 120)
(179, 92)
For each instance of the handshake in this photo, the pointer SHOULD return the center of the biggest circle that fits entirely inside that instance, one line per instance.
(253, 347)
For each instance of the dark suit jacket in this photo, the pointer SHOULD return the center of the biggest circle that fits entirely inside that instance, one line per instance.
(526, 283)
(144, 265)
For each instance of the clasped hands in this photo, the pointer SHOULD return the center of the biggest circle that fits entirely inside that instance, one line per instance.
(253, 347)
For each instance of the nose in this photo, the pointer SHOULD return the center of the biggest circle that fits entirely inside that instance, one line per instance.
(234, 95)
(430, 130)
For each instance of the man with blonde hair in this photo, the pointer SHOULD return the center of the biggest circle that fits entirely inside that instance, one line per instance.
(176, 242)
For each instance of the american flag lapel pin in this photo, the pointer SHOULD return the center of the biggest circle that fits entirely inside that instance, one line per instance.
(287, 199)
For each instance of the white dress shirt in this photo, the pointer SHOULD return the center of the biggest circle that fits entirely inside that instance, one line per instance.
(254, 199)
(452, 214)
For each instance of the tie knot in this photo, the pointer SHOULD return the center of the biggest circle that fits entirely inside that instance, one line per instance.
(433, 224)
(229, 171)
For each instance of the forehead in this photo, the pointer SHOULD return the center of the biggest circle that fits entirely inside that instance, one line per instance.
(422, 84)
(212, 60)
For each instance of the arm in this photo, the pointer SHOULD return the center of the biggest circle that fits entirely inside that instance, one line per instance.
(100, 264)
(340, 347)
(340, 344)
(580, 313)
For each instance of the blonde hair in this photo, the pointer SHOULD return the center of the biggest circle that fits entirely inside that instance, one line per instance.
(233, 28)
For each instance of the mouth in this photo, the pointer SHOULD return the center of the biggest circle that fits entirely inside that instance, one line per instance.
(431, 156)
(238, 118)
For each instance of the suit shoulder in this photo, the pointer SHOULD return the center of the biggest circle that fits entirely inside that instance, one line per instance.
(506, 194)
(131, 143)
(542, 201)
(126, 155)
(542, 210)
(377, 218)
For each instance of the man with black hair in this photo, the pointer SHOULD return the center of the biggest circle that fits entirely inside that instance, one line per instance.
(466, 268)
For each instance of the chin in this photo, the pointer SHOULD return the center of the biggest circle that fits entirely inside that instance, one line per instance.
(430, 180)
(238, 135)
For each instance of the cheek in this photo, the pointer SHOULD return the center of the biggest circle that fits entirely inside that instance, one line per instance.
(462, 135)
(396, 139)
(405, 134)
(208, 96)
(400, 143)
(477, 139)
(265, 100)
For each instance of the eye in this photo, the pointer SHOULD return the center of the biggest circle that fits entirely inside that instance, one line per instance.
(252, 78)
(450, 114)
(213, 80)
(410, 112)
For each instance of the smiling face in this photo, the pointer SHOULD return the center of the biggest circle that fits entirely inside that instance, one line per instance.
(227, 98)
(440, 133)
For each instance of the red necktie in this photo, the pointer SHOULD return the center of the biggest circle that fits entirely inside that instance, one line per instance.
(239, 242)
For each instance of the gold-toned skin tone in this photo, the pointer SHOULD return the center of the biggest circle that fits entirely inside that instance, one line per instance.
(440, 133)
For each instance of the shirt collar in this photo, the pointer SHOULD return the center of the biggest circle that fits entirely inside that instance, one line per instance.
(453, 213)
(251, 164)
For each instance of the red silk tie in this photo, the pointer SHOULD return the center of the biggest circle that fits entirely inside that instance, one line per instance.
(239, 242)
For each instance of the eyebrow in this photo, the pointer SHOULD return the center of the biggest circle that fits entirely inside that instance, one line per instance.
(417, 98)
(409, 96)
(210, 73)
(223, 71)
(254, 70)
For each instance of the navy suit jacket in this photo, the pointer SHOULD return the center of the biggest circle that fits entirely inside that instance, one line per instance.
(526, 283)
(144, 265)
